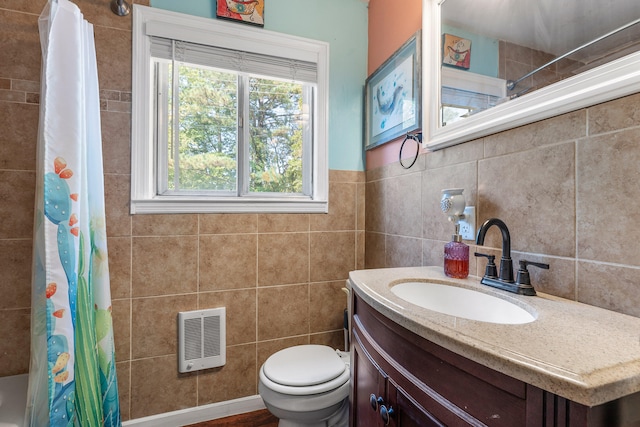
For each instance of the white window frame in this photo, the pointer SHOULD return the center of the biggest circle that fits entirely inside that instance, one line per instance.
(472, 82)
(477, 87)
(157, 22)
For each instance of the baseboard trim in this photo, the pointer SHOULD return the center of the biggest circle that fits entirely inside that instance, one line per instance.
(199, 414)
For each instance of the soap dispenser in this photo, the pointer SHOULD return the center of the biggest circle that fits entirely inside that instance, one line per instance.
(456, 257)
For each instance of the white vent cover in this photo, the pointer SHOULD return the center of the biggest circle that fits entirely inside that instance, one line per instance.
(201, 339)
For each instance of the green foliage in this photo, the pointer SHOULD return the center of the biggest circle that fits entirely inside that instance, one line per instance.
(208, 133)
(206, 171)
(276, 136)
(208, 111)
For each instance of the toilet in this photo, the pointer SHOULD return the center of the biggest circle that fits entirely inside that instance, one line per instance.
(307, 386)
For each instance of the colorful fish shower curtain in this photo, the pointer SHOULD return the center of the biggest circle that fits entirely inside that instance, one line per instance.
(72, 378)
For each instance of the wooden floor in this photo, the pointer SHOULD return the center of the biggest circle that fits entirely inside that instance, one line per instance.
(261, 418)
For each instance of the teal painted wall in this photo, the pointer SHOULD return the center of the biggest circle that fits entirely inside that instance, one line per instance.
(484, 51)
(341, 23)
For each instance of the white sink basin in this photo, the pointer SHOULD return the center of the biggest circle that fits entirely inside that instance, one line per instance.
(462, 302)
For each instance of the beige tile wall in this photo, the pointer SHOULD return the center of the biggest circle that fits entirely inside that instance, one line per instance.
(567, 187)
(278, 275)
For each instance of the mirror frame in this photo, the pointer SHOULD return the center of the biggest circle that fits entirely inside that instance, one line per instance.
(609, 81)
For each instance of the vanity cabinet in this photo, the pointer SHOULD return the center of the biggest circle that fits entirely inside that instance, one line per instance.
(419, 383)
(378, 400)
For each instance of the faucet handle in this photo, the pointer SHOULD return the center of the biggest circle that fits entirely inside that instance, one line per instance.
(490, 270)
(522, 278)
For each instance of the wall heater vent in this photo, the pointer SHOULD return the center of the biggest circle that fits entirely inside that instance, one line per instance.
(201, 339)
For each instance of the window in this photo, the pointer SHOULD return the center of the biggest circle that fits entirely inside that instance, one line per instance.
(464, 94)
(226, 117)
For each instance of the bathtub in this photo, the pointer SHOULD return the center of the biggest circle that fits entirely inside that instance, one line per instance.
(13, 400)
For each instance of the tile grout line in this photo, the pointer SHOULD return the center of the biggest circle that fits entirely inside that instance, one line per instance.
(576, 186)
(257, 302)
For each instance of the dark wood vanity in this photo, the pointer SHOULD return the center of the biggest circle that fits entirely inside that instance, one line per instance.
(402, 379)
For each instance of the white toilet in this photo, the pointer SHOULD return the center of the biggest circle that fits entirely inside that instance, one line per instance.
(307, 386)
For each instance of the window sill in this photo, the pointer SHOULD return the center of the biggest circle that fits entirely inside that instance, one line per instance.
(182, 206)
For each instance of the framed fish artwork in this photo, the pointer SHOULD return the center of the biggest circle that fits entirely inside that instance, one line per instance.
(456, 51)
(393, 95)
(247, 11)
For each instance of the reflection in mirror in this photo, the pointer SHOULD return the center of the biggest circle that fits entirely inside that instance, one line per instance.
(530, 44)
(498, 54)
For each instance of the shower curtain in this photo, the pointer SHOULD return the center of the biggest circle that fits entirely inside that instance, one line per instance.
(72, 378)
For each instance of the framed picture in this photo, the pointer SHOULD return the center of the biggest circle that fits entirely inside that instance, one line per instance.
(393, 95)
(456, 51)
(248, 11)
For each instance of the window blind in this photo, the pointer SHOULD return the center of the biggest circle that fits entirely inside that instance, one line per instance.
(463, 98)
(235, 60)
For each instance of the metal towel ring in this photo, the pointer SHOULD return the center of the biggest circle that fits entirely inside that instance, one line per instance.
(417, 137)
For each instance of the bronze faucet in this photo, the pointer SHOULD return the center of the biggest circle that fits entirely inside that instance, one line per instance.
(522, 285)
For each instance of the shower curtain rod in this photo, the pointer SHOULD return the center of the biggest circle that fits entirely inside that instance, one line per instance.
(120, 7)
(511, 84)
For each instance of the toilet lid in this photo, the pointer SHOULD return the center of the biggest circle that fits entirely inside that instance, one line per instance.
(304, 365)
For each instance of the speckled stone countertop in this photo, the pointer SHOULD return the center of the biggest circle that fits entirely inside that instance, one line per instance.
(583, 353)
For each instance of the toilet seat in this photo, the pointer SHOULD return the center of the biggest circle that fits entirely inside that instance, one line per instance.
(304, 370)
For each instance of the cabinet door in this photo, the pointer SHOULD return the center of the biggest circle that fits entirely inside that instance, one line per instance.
(408, 413)
(378, 402)
(368, 384)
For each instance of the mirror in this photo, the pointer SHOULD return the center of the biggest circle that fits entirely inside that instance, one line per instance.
(492, 65)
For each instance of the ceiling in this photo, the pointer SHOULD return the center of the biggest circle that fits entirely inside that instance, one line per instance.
(552, 26)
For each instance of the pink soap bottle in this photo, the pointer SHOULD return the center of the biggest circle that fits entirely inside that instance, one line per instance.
(456, 257)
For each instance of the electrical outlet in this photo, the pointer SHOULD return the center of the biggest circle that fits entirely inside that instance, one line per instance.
(468, 224)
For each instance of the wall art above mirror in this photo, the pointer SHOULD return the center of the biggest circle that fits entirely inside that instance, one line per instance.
(493, 65)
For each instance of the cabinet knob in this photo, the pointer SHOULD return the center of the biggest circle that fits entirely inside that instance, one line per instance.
(375, 401)
(386, 414)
